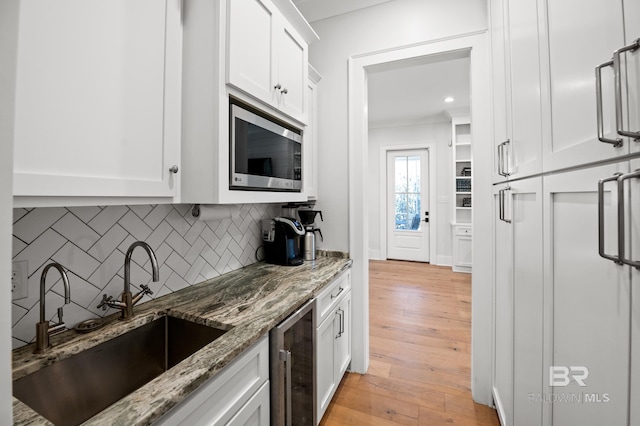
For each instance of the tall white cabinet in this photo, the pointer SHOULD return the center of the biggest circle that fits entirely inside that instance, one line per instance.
(567, 224)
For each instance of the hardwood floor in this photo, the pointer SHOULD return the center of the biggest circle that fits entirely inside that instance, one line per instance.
(420, 349)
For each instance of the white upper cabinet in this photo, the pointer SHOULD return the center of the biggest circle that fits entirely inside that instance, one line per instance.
(546, 102)
(97, 101)
(266, 57)
(517, 93)
(574, 49)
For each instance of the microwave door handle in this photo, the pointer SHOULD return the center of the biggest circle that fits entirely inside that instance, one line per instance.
(286, 357)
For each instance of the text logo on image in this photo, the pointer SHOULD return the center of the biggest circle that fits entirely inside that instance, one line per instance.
(560, 375)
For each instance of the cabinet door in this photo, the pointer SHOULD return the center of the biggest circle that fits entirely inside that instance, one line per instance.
(98, 98)
(588, 302)
(503, 313)
(255, 412)
(573, 49)
(326, 362)
(524, 120)
(526, 251)
(343, 339)
(309, 147)
(250, 50)
(632, 62)
(292, 72)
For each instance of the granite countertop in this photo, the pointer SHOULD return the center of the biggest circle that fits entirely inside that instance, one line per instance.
(247, 302)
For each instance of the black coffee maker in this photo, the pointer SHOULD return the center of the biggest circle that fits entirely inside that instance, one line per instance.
(281, 239)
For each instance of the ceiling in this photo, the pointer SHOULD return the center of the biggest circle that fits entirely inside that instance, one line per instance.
(404, 91)
(315, 10)
(412, 91)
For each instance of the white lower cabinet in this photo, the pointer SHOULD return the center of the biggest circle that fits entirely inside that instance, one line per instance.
(567, 307)
(333, 340)
(238, 395)
(589, 306)
(462, 248)
(518, 301)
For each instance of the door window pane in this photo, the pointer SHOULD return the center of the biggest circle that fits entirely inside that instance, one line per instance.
(407, 193)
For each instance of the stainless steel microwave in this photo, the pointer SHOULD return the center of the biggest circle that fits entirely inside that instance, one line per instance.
(265, 155)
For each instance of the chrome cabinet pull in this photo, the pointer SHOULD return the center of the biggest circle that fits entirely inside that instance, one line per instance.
(339, 312)
(617, 76)
(286, 357)
(621, 221)
(338, 294)
(601, 251)
(502, 169)
(501, 204)
(615, 142)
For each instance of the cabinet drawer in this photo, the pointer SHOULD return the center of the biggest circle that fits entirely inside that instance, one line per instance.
(463, 231)
(331, 296)
(220, 398)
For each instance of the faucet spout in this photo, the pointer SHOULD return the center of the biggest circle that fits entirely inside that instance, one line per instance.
(43, 330)
(127, 264)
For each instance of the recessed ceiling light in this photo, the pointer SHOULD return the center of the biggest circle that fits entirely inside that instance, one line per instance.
(449, 99)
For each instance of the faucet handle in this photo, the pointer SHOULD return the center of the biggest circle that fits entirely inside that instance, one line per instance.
(105, 301)
(145, 289)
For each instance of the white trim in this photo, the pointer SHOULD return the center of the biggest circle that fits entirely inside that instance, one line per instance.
(476, 44)
(384, 150)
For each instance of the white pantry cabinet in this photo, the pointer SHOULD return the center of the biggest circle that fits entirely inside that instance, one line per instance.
(97, 101)
(590, 303)
(266, 57)
(544, 71)
(517, 88)
(518, 301)
(237, 395)
(333, 339)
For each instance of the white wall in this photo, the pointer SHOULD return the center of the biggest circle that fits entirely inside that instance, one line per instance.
(9, 10)
(405, 22)
(437, 133)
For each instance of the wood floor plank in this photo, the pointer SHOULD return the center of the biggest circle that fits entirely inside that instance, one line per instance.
(420, 362)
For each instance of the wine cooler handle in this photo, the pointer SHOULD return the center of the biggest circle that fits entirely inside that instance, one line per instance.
(286, 357)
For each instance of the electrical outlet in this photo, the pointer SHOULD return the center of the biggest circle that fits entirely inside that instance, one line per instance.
(19, 280)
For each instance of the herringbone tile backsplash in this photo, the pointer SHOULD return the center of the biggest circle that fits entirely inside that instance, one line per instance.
(91, 243)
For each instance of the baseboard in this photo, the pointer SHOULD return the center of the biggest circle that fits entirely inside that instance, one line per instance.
(375, 255)
(444, 260)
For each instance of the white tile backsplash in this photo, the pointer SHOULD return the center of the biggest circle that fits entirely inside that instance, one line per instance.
(91, 243)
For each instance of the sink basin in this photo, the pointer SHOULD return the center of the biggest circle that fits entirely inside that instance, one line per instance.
(73, 390)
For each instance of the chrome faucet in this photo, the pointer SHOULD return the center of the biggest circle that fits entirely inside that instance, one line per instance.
(43, 330)
(127, 299)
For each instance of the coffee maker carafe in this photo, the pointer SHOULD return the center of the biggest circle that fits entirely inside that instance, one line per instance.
(281, 238)
(307, 217)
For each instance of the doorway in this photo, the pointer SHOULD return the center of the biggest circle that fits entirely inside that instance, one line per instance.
(475, 46)
(407, 201)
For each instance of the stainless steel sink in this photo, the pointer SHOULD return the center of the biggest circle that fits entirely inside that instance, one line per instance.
(73, 390)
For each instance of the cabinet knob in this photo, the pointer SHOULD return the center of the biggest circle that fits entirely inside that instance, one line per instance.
(284, 91)
(277, 86)
(174, 169)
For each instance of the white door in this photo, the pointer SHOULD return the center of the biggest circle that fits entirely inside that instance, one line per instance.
(408, 205)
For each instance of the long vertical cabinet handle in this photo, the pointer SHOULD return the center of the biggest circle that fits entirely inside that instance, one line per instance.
(615, 142)
(286, 357)
(340, 312)
(501, 208)
(502, 168)
(601, 251)
(617, 75)
(621, 221)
